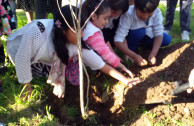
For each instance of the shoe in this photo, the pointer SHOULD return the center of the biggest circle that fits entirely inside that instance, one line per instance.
(185, 36)
(166, 31)
(1, 90)
(2, 55)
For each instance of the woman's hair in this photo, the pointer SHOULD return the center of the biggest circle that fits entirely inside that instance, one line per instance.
(90, 5)
(118, 5)
(146, 5)
(59, 39)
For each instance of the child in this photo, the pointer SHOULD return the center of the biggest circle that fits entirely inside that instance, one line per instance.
(117, 7)
(52, 42)
(93, 35)
(143, 24)
(191, 81)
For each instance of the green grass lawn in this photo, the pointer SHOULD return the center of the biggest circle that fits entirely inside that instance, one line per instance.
(15, 112)
(176, 31)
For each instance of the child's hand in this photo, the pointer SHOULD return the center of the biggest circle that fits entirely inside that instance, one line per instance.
(130, 73)
(59, 90)
(140, 61)
(27, 91)
(133, 81)
(152, 60)
(191, 82)
(126, 70)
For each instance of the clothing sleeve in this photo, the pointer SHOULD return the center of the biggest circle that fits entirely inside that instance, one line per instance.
(97, 43)
(158, 24)
(30, 43)
(91, 59)
(123, 28)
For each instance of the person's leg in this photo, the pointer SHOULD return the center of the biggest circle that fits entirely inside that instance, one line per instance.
(13, 9)
(134, 37)
(54, 6)
(171, 6)
(147, 42)
(29, 16)
(2, 55)
(40, 9)
(185, 14)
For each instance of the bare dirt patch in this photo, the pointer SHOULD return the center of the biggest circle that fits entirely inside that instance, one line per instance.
(124, 105)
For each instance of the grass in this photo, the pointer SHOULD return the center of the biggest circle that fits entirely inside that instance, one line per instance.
(35, 112)
(175, 32)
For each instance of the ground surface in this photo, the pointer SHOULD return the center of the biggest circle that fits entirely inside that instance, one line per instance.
(126, 106)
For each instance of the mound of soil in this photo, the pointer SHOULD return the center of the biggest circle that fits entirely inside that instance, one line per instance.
(174, 63)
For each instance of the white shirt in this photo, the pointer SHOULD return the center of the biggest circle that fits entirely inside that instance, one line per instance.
(29, 45)
(130, 21)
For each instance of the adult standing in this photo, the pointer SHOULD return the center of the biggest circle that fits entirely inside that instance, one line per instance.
(42, 7)
(185, 13)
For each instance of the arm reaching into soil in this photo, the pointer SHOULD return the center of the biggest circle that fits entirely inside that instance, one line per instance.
(107, 69)
(126, 70)
(191, 81)
(122, 46)
(156, 47)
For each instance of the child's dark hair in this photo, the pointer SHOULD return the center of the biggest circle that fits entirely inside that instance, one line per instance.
(118, 5)
(59, 40)
(146, 5)
(90, 5)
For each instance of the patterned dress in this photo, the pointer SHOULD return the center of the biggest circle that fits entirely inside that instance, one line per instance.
(7, 22)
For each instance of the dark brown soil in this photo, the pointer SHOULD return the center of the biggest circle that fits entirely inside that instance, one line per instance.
(127, 106)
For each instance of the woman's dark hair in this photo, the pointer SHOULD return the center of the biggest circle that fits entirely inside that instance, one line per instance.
(59, 40)
(118, 5)
(146, 5)
(90, 5)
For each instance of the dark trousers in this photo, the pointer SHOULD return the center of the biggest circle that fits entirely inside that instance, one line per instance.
(40, 7)
(185, 13)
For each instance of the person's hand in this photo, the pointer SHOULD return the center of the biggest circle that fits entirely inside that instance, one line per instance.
(130, 73)
(191, 82)
(27, 91)
(123, 68)
(59, 90)
(140, 61)
(133, 81)
(152, 60)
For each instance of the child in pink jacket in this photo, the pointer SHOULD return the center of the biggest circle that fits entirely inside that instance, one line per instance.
(93, 35)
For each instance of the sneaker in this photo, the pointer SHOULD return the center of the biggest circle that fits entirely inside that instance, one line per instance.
(185, 36)
(166, 31)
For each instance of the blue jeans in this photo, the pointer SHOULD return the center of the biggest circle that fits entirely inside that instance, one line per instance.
(185, 14)
(138, 36)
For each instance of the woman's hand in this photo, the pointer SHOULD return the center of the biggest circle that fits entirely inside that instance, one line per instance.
(191, 82)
